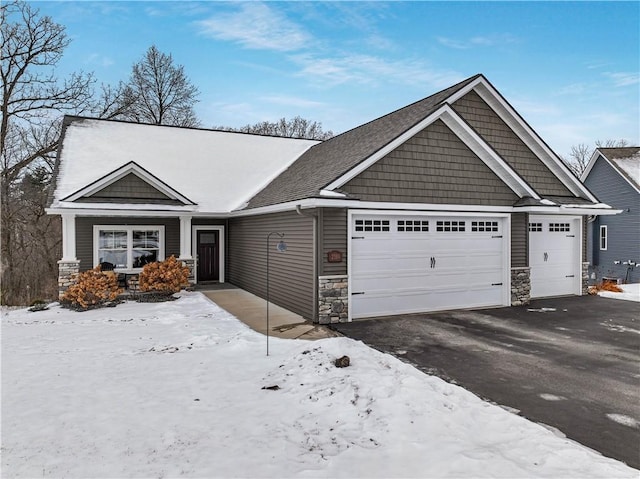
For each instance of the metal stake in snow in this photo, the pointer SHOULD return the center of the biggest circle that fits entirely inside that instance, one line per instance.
(281, 247)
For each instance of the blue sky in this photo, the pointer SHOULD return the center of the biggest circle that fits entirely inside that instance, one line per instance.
(571, 69)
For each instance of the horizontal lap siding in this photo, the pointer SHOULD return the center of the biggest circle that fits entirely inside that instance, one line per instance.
(434, 166)
(334, 237)
(623, 230)
(519, 240)
(508, 145)
(291, 275)
(84, 235)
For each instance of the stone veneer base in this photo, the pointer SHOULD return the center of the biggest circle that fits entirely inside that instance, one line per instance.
(333, 299)
(520, 286)
(67, 273)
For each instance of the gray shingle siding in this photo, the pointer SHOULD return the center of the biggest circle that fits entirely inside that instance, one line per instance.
(434, 166)
(506, 143)
(623, 230)
(291, 274)
(127, 189)
(84, 235)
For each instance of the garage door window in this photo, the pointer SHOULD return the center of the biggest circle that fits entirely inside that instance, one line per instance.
(481, 226)
(413, 225)
(450, 225)
(372, 225)
(535, 227)
(559, 227)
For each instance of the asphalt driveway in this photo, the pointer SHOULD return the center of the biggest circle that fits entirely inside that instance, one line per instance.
(571, 363)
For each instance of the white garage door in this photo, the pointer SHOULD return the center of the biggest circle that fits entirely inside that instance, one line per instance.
(554, 255)
(409, 263)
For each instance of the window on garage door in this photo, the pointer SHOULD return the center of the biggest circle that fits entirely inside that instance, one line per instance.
(450, 225)
(372, 225)
(413, 225)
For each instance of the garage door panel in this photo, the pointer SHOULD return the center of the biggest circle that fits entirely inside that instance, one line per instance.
(554, 255)
(426, 263)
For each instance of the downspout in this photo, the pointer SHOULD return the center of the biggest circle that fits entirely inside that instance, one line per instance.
(314, 216)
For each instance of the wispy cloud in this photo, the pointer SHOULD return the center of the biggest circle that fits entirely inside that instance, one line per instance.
(292, 101)
(621, 79)
(367, 69)
(477, 41)
(99, 60)
(256, 26)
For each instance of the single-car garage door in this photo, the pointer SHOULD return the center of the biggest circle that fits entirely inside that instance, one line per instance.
(554, 255)
(411, 263)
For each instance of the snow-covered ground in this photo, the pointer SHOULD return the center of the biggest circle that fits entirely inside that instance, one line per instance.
(177, 390)
(630, 292)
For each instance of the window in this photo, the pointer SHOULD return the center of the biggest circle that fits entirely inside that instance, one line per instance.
(450, 225)
(481, 226)
(535, 227)
(559, 227)
(413, 225)
(603, 238)
(128, 247)
(372, 225)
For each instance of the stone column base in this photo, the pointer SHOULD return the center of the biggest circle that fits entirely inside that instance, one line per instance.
(67, 275)
(585, 277)
(191, 264)
(520, 286)
(333, 299)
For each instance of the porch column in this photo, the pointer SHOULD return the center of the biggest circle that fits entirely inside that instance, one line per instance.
(186, 255)
(185, 237)
(69, 237)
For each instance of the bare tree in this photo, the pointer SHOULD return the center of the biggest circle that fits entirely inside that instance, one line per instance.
(581, 153)
(32, 100)
(159, 92)
(297, 127)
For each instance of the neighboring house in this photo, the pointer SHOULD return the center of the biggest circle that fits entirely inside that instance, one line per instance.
(450, 202)
(613, 175)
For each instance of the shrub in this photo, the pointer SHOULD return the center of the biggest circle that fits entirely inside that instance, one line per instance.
(168, 276)
(93, 289)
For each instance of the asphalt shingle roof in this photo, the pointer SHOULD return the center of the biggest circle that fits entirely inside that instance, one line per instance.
(329, 160)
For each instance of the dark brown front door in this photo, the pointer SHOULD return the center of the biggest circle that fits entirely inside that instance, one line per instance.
(208, 249)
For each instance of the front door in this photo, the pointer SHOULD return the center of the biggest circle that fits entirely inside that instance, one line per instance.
(208, 256)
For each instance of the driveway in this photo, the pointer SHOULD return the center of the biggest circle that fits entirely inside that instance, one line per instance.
(572, 363)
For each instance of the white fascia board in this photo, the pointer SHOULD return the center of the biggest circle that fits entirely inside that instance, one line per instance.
(592, 161)
(123, 171)
(567, 210)
(466, 135)
(531, 138)
(70, 205)
(55, 210)
(427, 213)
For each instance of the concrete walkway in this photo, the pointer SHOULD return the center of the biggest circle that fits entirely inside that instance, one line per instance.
(252, 311)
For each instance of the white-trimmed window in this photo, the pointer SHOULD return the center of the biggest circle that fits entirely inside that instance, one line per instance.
(127, 247)
(603, 238)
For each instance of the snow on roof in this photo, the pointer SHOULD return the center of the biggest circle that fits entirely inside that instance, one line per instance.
(217, 170)
(631, 166)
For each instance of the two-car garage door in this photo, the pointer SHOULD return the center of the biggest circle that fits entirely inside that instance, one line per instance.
(404, 263)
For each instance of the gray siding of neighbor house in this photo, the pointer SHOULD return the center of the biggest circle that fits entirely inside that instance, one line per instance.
(623, 230)
(291, 274)
(512, 149)
(519, 240)
(434, 166)
(129, 189)
(84, 235)
(333, 238)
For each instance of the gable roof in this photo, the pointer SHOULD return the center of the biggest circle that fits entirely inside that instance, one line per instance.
(324, 168)
(624, 160)
(207, 170)
(131, 168)
(332, 158)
